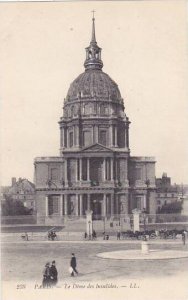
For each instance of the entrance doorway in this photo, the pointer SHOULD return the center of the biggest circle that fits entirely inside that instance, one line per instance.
(96, 170)
(96, 206)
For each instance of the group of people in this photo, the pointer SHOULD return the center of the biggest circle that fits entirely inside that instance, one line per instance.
(52, 235)
(50, 273)
(92, 236)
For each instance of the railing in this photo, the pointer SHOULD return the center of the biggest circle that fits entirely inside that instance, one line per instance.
(121, 219)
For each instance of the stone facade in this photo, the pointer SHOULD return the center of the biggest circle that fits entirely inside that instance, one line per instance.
(166, 193)
(94, 170)
(22, 190)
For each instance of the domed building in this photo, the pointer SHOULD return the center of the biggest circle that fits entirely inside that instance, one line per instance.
(94, 170)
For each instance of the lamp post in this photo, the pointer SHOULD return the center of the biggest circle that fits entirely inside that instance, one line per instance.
(144, 217)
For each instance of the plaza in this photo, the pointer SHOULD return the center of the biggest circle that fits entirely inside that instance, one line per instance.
(23, 263)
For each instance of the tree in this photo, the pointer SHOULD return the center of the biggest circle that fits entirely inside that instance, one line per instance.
(171, 208)
(12, 207)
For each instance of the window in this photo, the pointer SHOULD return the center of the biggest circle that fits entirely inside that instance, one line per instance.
(54, 174)
(102, 137)
(87, 139)
(103, 110)
(88, 109)
(137, 202)
(53, 205)
(70, 139)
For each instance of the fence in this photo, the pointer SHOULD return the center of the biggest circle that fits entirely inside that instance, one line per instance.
(101, 223)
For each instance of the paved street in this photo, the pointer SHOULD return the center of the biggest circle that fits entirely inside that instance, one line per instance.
(25, 260)
(23, 263)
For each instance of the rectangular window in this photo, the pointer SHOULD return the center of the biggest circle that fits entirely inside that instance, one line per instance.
(84, 169)
(102, 137)
(53, 205)
(87, 138)
(71, 139)
(137, 202)
(54, 174)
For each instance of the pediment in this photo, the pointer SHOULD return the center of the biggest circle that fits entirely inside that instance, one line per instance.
(97, 148)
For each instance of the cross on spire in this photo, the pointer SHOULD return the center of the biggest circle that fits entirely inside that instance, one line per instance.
(93, 12)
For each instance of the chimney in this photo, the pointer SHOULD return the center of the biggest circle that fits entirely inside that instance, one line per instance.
(13, 180)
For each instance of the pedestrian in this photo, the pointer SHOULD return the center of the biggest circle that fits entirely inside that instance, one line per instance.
(46, 276)
(73, 265)
(94, 235)
(183, 237)
(53, 273)
(118, 235)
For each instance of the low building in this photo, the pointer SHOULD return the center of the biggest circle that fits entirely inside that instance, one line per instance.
(22, 190)
(166, 193)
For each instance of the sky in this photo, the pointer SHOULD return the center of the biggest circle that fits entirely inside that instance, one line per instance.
(42, 50)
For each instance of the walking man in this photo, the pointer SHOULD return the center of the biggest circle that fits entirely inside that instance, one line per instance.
(73, 265)
(53, 273)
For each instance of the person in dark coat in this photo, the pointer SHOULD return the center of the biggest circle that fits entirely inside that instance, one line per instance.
(46, 282)
(73, 265)
(53, 274)
(183, 237)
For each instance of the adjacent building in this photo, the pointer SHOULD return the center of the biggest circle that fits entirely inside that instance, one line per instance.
(166, 193)
(22, 190)
(94, 170)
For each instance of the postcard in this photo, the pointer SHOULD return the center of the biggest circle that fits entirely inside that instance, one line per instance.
(94, 118)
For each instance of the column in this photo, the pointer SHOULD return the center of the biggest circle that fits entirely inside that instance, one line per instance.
(88, 202)
(104, 169)
(66, 205)
(104, 205)
(144, 202)
(65, 171)
(111, 135)
(93, 132)
(61, 205)
(77, 135)
(125, 138)
(112, 168)
(88, 169)
(77, 212)
(97, 134)
(46, 206)
(115, 131)
(62, 137)
(81, 205)
(76, 170)
(67, 138)
(112, 204)
(80, 165)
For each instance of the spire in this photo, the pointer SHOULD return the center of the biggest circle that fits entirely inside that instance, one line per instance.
(93, 52)
(93, 38)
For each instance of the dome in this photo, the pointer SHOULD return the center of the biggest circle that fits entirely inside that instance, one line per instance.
(91, 83)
